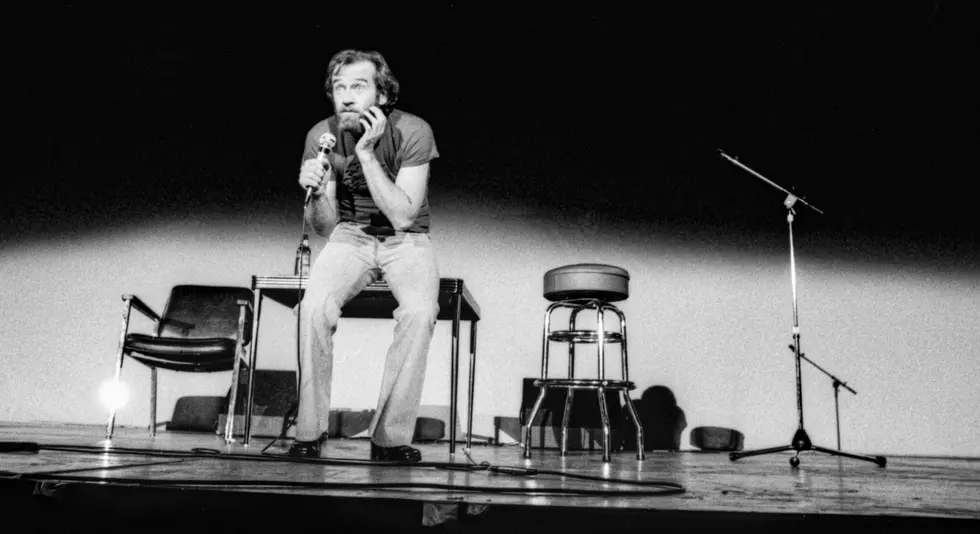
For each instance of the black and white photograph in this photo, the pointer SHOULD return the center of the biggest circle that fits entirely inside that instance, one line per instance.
(447, 267)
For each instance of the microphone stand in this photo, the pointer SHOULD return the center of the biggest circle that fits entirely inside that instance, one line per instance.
(837, 383)
(801, 441)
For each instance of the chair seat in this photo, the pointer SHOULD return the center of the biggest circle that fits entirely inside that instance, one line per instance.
(583, 336)
(586, 280)
(182, 354)
(585, 383)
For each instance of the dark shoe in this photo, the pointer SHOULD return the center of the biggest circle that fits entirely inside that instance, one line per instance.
(402, 453)
(307, 449)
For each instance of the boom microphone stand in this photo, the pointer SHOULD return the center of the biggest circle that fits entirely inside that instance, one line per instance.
(837, 383)
(801, 441)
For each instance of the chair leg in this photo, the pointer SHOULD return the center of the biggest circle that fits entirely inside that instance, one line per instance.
(636, 423)
(564, 421)
(230, 420)
(153, 401)
(604, 412)
(526, 430)
(236, 373)
(110, 425)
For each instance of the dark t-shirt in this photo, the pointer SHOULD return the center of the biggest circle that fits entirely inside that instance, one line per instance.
(406, 142)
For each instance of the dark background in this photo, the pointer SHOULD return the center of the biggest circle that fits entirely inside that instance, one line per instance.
(859, 107)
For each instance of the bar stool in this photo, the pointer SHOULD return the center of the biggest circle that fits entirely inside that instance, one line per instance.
(582, 287)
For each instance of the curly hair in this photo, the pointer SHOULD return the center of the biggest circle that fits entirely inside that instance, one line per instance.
(384, 81)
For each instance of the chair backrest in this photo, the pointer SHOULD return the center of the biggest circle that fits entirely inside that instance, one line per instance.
(196, 312)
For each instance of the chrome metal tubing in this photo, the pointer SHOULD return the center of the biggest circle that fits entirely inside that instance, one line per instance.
(127, 308)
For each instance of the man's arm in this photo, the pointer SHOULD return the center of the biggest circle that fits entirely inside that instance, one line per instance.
(321, 212)
(401, 200)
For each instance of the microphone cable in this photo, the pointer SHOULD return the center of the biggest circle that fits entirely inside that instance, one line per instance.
(326, 143)
(290, 417)
(600, 485)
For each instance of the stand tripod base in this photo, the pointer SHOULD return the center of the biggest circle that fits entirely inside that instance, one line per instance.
(801, 442)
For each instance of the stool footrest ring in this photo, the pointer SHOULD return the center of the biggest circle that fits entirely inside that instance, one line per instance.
(584, 383)
(583, 336)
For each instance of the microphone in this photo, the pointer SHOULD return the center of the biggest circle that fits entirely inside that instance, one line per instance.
(327, 141)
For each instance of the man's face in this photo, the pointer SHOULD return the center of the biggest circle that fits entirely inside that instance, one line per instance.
(354, 91)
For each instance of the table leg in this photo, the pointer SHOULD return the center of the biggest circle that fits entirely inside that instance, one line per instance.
(252, 357)
(454, 372)
(469, 419)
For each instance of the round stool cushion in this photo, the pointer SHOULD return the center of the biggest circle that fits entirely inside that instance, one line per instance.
(587, 280)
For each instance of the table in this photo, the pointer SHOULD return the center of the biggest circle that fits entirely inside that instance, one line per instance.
(376, 301)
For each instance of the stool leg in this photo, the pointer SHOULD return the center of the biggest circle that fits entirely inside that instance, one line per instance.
(601, 340)
(636, 423)
(564, 421)
(526, 438)
(570, 393)
(622, 348)
(544, 339)
(604, 411)
(153, 401)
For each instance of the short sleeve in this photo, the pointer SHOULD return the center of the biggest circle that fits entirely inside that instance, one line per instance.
(418, 144)
(311, 146)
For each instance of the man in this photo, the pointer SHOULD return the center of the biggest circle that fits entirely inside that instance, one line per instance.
(370, 197)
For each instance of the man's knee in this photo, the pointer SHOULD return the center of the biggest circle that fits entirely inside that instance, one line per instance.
(323, 311)
(421, 311)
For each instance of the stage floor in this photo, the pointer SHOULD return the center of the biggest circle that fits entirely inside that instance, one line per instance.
(668, 488)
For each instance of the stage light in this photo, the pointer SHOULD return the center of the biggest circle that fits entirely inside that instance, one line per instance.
(114, 394)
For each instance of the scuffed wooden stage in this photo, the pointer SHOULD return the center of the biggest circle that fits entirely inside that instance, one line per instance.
(191, 481)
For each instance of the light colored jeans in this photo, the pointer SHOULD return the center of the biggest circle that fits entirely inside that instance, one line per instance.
(350, 260)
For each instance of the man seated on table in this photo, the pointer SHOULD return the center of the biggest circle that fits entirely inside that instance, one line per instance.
(370, 199)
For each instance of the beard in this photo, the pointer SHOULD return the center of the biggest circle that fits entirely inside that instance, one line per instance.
(350, 122)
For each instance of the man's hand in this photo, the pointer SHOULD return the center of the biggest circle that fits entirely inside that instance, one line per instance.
(374, 125)
(314, 173)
